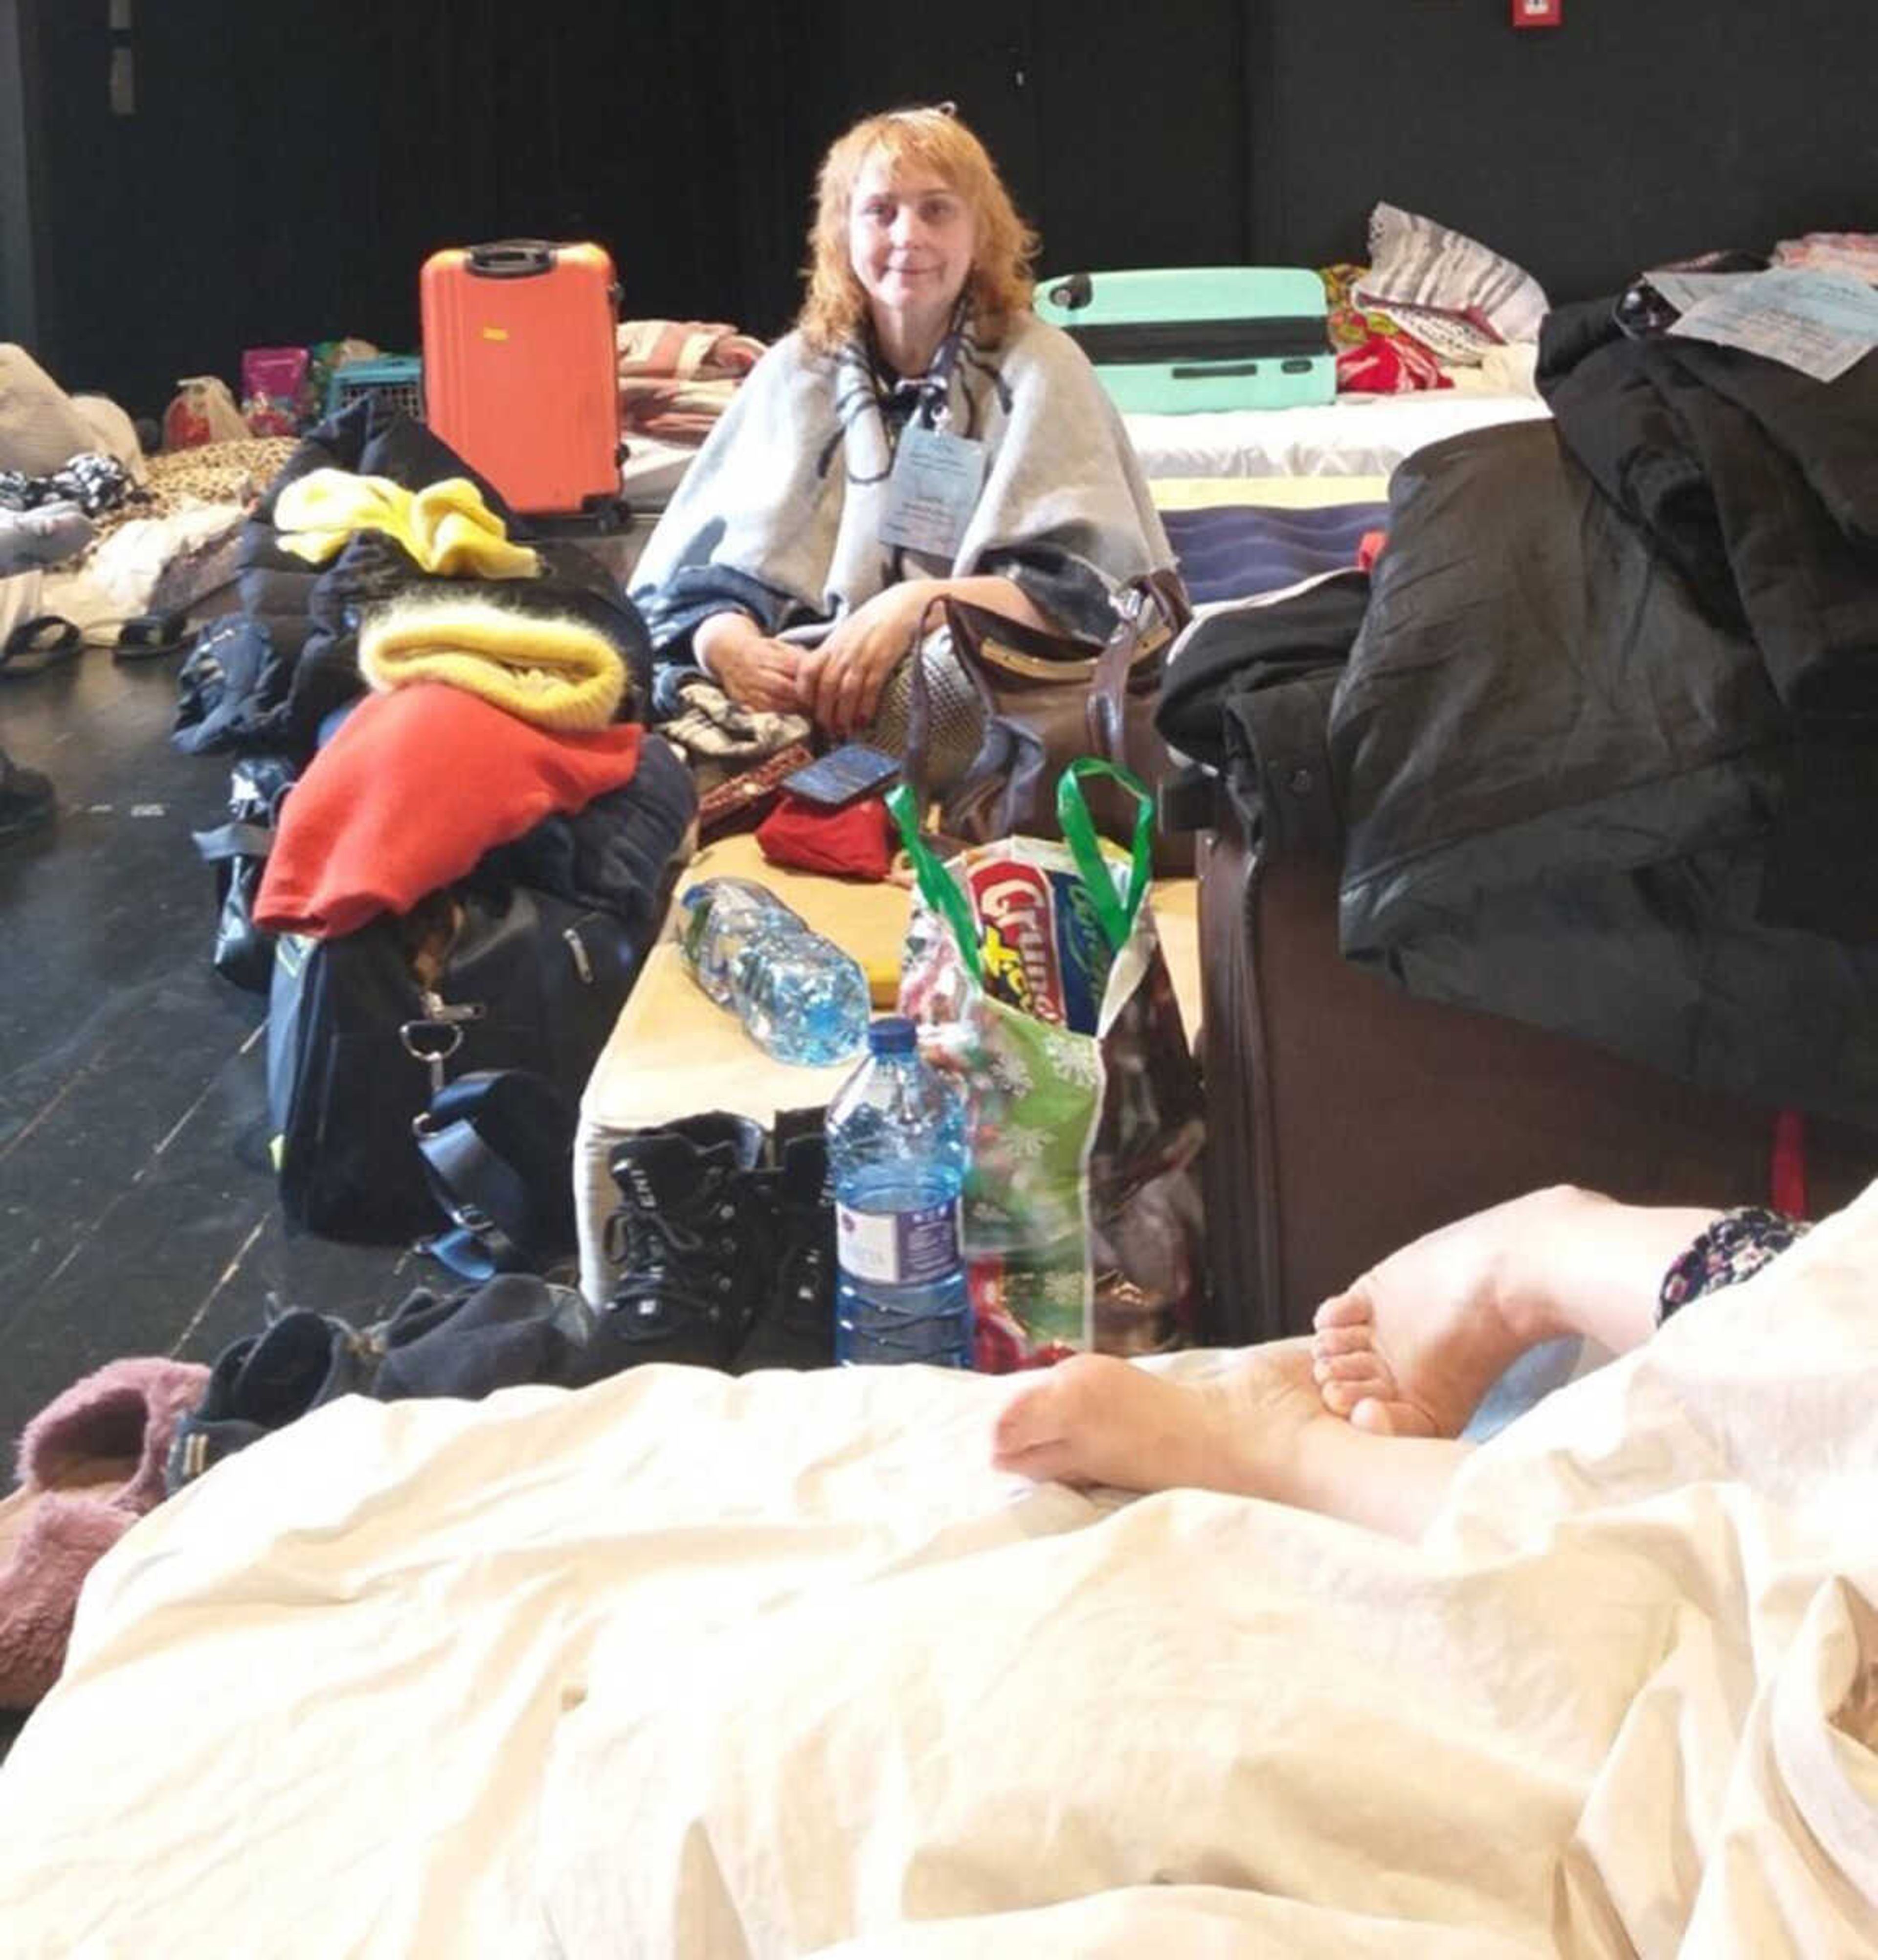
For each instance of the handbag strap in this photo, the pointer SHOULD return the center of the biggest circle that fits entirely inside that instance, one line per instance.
(1115, 916)
(918, 699)
(1163, 593)
(496, 1145)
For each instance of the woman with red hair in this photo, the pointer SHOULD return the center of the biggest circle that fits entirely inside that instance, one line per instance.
(920, 433)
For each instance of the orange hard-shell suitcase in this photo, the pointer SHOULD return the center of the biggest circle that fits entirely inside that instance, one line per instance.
(520, 373)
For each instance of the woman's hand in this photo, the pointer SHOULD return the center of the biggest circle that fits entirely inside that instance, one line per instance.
(839, 683)
(754, 671)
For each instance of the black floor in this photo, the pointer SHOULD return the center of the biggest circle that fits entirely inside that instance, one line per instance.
(137, 1213)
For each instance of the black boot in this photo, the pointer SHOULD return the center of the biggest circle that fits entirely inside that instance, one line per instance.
(795, 1326)
(693, 1243)
(26, 798)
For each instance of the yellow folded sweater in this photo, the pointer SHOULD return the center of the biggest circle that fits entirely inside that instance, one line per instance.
(445, 527)
(556, 672)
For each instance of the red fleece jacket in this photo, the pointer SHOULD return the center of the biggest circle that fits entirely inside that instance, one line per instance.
(417, 784)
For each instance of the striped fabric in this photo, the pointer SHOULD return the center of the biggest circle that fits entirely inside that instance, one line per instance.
(1456, 294)
(1237, 551)
(677, 376)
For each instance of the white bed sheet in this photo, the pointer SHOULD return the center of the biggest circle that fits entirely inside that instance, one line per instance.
(650, 471)
(1355, 435)
(682, 1665)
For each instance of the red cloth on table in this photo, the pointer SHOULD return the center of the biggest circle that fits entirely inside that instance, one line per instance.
(855, 842)
(417, 784)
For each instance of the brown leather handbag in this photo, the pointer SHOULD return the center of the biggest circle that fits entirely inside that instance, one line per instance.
(1047, 698)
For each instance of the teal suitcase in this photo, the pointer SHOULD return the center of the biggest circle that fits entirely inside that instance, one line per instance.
(1191, 338)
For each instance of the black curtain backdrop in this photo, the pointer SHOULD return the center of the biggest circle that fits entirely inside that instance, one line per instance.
(1641, 130)
(288, 170)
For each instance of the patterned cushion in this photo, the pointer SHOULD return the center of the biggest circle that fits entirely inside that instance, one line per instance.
(1450, 290)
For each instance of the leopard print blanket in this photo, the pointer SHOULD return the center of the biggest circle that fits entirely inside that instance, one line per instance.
(215, 473)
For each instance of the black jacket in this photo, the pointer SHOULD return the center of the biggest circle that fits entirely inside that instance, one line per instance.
(267, 680)
(1562, 768)
(1759, 485)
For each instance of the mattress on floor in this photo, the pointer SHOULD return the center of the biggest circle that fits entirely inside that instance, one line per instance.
(1355, 435)
(650, 471)
(1270, 493)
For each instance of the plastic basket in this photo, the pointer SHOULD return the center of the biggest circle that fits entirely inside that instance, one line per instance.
(395, 379)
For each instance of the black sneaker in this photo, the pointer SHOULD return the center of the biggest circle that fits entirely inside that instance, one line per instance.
(794, 1326)
(693, 1243)
(263, 1383)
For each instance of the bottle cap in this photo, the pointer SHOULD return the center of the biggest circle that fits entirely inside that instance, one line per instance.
(891, 1034)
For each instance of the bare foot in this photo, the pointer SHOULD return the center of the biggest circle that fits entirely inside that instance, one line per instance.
(1411, 1348)
(1093, 1419)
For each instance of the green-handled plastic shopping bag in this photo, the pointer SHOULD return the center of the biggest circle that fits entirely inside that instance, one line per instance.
(1035, 974)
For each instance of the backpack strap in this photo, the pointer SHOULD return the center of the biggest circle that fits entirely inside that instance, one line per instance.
(234, 839)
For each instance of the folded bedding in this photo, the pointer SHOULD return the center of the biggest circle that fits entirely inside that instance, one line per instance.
(678, 377)
(682, 1665)
(1356, 435)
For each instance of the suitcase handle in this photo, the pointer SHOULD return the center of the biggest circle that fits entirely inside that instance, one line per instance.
(513, 258)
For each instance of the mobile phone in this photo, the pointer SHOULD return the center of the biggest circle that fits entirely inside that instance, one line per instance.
(843, 775)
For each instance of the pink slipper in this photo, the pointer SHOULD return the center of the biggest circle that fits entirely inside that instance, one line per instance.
(91, 1463)
(116, 1424)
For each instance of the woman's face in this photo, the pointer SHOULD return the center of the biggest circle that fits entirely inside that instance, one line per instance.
(910, 237)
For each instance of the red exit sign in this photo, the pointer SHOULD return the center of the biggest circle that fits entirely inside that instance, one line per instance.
(1539, 12)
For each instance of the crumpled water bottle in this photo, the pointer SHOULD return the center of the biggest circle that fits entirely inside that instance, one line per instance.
(719, 918)
(801, 999)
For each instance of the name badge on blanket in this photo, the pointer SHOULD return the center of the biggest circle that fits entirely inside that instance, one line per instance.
(931, 492)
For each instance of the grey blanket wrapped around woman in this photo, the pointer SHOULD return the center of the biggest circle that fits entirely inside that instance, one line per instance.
(780, 516)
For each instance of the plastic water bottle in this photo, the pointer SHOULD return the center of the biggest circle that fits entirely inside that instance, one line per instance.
(718, 917)
(800, 996)
(897, 1150)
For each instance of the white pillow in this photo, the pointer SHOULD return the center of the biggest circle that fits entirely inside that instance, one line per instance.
(40, 429)
(1447, 286)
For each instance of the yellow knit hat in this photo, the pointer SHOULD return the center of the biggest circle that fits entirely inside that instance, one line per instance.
(557, 672)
